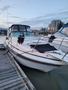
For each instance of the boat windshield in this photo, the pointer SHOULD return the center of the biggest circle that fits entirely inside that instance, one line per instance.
(18, 29)
(17, 33)
(64, 31)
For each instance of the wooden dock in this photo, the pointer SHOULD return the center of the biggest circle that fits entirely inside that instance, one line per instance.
(11, 75)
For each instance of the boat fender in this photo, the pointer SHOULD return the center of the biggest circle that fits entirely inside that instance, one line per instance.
(51, 38)
(20, 39)
(7, 38)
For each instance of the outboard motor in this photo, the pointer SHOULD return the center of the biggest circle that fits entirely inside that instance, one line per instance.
(21, 39)
(51, 38)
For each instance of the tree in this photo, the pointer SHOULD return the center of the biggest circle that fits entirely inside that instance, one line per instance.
(55, 25)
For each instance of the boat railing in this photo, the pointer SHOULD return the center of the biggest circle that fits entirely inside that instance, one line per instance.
(64, 55)
(61, 43)
(62, 40)
(36, 43)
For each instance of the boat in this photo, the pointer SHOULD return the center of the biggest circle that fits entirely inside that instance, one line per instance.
(59, 39)
(3, 34)
(31, 52)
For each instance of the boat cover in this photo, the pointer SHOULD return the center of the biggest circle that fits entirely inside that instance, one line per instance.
(43, 48)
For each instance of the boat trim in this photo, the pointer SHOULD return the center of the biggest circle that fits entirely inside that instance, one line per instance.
(57, 59)
(21, 56)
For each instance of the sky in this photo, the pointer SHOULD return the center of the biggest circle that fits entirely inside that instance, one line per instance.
(12, 11)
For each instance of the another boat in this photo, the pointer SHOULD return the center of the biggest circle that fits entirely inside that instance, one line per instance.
(3, 34)
(31, 52)
(59, 39)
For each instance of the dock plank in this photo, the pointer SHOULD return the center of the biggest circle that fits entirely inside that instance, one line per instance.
(10, 76)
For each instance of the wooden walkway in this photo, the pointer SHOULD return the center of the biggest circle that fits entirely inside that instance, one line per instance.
(11, 75)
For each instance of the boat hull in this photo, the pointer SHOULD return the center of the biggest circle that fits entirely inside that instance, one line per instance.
(45, 67)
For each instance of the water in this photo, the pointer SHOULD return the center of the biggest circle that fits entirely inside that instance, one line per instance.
(54, 80)
(41, 80)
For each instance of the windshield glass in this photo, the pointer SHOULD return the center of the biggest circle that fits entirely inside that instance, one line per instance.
(64, 31)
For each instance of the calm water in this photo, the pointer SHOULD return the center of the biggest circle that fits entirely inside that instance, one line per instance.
(54, 80)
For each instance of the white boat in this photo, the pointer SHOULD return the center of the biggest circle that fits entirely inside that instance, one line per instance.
(31, 53)
(3, 34)
(59, 39)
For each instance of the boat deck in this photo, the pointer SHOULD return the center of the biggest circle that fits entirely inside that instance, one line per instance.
(11, 75)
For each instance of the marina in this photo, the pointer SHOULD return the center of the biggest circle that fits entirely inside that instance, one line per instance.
(33, 53)
(33, 45)
(31, 76)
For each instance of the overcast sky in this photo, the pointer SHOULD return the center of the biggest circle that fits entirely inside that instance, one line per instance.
(20, 10)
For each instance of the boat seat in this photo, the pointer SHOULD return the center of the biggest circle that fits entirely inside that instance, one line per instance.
(43, 47)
